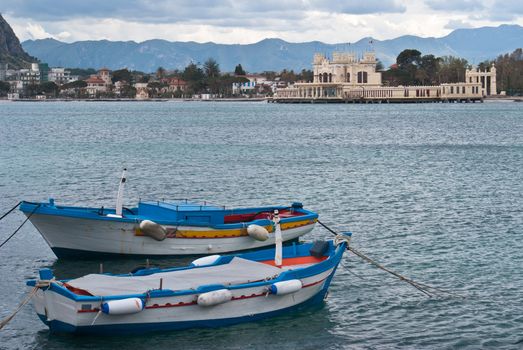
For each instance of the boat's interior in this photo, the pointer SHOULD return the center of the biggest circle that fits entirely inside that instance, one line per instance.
(248, 217)
(227, 271)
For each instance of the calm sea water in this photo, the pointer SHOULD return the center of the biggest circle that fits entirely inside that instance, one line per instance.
(432, 191)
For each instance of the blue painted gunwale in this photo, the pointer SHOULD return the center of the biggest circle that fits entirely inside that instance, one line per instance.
(91, 213)
(334, 256)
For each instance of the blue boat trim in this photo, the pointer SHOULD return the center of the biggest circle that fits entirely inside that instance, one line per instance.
(182, 214)
(335, 255)
(56, 326)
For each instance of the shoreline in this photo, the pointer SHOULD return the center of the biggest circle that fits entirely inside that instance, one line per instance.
(254, 99)
(232, 99)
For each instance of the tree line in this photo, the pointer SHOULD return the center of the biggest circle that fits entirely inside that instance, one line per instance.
(413, 68)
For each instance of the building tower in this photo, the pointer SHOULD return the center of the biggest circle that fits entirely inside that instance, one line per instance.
(486, 78)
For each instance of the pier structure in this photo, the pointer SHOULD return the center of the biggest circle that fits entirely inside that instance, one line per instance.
(345, 79)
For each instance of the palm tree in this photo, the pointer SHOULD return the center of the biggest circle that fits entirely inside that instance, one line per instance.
(160, 73)
(211, 68)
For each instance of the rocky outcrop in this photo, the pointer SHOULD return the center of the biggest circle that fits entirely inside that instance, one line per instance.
(11, 52)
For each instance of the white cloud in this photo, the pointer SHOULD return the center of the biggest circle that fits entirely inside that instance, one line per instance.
(36, 31)
(457, 24)
(237, 21)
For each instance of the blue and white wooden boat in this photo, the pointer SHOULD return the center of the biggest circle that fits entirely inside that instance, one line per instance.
(163, 228)
(213, 291)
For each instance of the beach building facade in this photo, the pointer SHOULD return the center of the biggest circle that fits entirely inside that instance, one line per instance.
(344, 78)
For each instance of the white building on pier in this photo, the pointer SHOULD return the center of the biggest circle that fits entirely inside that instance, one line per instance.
(345, 78)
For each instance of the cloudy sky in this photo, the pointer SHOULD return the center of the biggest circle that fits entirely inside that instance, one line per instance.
(248, 21)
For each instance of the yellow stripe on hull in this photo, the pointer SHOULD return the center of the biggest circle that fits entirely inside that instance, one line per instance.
(239, 232)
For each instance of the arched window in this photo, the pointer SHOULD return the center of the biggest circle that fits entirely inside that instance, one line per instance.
(330, 77)
(325, 78)
(362, 78)
(348, 77)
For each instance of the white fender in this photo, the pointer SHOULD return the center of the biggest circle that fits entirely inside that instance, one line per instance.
(122, 306)
(152, 229)
(257, 232)
(285, 287)
(206, 260)
(215, 297)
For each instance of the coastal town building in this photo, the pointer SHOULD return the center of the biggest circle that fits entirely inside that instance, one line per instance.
(95, 85)
(347, 79)
(61, 76)
(105, 75)
(249, 86)
(142, 92)
(174, 85)
(99, 83)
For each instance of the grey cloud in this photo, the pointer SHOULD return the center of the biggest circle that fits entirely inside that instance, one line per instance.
(169, 11)
(362, 7)
(455, 5)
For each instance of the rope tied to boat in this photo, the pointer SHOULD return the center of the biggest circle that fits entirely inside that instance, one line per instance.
(340, 238)
(423, 288)
(23, 223)
(10, 210)
(7, 319)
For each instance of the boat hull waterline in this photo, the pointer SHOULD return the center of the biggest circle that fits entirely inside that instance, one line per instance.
(166, 309)
(70, 231)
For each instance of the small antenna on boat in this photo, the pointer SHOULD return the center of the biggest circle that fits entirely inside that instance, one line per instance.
(119, 196)
(277, 238)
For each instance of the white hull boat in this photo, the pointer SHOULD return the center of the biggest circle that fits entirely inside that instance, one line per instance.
(213, 291)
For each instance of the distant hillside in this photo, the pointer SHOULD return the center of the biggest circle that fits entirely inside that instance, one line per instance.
(476, 45)
(11, 52)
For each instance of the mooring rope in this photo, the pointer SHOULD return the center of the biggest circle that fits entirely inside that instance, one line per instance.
(19, 227)
(20, 306)
(424, 288)
(10, 210)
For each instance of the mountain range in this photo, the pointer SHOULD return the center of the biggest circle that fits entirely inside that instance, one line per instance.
(474, 44)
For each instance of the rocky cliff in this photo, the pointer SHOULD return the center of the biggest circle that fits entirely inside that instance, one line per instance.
(11, 52)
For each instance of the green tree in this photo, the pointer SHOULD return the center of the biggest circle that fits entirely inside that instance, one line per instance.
(4, 88)
(429, 66)
(81, 72)
(288, 76)
(122, 75)
(269, 75)
(306, 75)
(509, 72)
(78, 84)
(49, 88)
(407, 58)
(194, 77)
(239, 70)
(160, 73)
(452, 69)
(128, 91)
(211, 68)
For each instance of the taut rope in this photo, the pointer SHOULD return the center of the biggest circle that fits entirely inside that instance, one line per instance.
(22, 304)
(19, 227)
(425, 289)
(10, 210)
